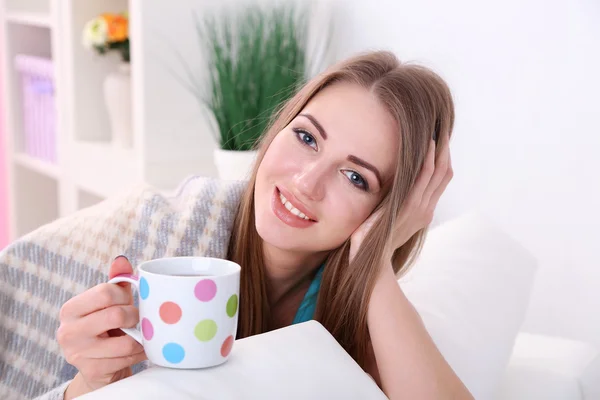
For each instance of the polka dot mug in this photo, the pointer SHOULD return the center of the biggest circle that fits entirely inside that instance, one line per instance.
(188, 310)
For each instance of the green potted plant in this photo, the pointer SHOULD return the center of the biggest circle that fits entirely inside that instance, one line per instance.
(256, 60)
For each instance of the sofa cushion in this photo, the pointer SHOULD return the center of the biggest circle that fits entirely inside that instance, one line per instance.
(300, 361)
(547, 367)
(471, 285)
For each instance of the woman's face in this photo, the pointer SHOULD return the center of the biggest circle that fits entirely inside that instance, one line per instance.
(332, 164)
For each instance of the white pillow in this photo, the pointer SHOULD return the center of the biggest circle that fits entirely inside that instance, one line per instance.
(300, 362)
(471, 287)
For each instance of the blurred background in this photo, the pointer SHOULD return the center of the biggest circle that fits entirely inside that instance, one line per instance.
(99, 95)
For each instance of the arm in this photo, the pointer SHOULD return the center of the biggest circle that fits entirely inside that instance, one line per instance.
(408, 365)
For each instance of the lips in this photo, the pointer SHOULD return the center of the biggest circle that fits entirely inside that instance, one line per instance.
(292, 199)
(285, 215)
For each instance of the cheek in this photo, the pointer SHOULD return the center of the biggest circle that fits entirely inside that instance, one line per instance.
(346, 214)
(283, 159)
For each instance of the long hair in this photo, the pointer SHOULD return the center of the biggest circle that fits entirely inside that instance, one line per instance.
(421, 104)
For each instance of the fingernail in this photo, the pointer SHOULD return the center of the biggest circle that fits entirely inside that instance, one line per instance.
(121, 256)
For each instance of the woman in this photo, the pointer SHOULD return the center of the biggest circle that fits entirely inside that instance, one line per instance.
(345, 185)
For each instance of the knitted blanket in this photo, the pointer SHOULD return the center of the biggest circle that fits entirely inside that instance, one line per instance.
(42, 270)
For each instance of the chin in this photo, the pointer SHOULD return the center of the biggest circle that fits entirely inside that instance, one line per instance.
(271, 231)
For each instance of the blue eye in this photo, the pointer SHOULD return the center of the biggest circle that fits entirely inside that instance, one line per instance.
(305, 137)
(357, 180)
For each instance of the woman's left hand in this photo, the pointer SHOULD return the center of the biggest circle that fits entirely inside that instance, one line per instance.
(417, 211)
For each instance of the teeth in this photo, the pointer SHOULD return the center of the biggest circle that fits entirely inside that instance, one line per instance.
(291, 208)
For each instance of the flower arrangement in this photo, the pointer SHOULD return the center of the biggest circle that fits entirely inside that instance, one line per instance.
(108, 32)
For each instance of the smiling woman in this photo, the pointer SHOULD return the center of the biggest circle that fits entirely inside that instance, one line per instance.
(338, 203)
(364, 145)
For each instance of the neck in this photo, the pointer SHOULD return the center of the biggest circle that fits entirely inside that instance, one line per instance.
(286, 270)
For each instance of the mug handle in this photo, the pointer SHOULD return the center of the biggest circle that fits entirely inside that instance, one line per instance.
(134, 280)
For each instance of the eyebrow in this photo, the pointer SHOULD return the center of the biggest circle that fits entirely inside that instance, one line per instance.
(368, 166)
(316, 124)
(351, 158)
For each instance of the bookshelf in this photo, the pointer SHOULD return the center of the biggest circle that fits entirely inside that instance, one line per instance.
(171, 138)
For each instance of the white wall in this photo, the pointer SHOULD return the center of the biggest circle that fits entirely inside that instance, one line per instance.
(525, 79)
(525, 75)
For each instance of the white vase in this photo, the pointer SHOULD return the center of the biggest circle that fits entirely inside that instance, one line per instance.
(234, 165)
(117, 97)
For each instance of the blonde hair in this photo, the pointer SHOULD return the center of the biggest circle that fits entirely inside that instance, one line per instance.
(421, 104)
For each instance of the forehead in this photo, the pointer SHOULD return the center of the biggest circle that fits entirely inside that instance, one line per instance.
(357, 123)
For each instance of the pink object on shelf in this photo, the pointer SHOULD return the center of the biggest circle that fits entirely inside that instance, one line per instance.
(39, 109)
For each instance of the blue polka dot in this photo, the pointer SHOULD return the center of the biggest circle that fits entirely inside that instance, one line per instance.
(173, 353)
(144, 289)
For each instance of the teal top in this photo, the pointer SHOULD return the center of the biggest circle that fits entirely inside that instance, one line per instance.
(309, 303)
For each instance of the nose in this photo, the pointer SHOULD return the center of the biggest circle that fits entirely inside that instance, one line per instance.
(309, 181)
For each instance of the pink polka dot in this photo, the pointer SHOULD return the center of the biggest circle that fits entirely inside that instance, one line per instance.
(147, 329)
(205, 290)
(226, 346)
(170, 312)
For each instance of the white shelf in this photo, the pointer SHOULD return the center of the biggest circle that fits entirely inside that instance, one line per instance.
(29, 18)
(171, 137)
(103, 169)
(37, 200)
(39, 166)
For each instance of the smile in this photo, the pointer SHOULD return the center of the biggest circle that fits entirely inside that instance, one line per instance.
(288, 212)
(291, 208)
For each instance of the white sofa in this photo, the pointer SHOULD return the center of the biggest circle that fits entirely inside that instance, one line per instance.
(471, 286)
(544, 367)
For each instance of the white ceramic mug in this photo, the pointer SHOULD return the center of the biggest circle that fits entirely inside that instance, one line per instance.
(188, 310)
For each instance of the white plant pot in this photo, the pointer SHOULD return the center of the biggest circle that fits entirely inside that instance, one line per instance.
(234, 165)
(117, 97)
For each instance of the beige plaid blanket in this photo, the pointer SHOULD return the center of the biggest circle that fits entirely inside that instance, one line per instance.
(45, 268)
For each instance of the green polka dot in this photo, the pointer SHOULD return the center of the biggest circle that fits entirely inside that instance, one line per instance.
(232, 305)
(205, 330)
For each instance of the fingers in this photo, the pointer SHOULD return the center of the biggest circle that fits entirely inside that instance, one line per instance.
(87, 321)
(435, 197)
(84, 347)
(114, 317)
(372, 219)
(115, 347)
(99, 297)
(442, 165)
(116, 364)
(423, 179)
(361, 232)
(103, 370)
(428, 167)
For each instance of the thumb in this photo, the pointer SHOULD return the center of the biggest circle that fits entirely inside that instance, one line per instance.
(120, 265)
(361, 233)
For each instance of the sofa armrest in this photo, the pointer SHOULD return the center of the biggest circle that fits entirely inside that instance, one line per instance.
(551, 368)
(301, 361)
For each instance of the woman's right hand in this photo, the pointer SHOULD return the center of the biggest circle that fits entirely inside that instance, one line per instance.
(89, 333)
